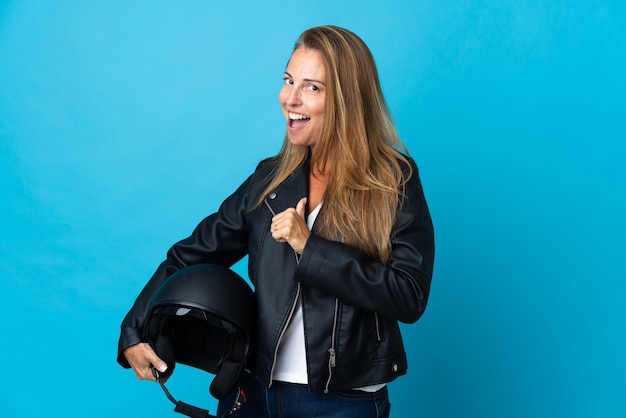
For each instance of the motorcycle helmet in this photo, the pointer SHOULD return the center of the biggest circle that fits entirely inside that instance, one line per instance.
(203, 316)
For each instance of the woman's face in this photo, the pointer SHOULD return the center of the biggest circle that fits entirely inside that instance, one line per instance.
(303, 97)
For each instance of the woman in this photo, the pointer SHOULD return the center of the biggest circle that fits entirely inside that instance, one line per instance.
(339, 239)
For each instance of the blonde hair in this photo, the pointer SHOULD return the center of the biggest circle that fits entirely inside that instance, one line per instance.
(358, 143)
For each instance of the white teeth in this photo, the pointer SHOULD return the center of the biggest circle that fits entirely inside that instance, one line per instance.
(297, 116)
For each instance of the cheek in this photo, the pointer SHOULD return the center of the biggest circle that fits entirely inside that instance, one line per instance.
(319, 108)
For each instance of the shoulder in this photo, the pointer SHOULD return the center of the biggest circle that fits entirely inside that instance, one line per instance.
(267, 165)
(408, 163)
(408, 166)
(265, 170)
(261, 177)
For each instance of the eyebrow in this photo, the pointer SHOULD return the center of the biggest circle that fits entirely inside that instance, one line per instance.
(307, 79)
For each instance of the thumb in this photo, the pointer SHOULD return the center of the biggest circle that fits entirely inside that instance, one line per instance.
(159, 364)
(301, 207)
(155, 360)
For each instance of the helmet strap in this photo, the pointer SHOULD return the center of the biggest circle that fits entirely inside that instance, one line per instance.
(193, 411)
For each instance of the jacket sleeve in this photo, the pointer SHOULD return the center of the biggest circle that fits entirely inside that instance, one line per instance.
(398, 289)
(220, 238)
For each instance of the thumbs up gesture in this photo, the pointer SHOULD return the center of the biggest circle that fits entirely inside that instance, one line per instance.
(290, 226)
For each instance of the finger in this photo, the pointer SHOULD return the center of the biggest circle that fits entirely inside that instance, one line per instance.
(154, 359)
(142, 358)
(301, 207)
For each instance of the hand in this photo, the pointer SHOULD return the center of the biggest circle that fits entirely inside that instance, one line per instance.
(142, 358)
(289, 226)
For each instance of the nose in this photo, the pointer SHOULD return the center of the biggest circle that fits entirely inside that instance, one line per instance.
(292, 96)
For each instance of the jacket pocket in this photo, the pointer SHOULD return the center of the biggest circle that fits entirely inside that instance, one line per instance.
(378, 332)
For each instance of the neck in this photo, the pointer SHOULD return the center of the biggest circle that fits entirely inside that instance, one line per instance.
(318, 181)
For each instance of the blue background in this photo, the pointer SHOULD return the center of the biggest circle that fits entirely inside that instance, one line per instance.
(123, 123)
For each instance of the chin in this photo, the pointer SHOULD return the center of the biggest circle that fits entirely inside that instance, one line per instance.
(296, 140)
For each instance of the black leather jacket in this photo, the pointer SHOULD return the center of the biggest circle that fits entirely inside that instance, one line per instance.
(351, 302)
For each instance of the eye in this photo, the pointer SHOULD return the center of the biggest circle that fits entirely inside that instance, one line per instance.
(313, 88)
(288, 81)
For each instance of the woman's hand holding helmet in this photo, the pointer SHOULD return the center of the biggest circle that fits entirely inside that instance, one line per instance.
(142, 359)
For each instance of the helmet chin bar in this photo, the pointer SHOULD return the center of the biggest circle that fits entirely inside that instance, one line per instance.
(193, 411)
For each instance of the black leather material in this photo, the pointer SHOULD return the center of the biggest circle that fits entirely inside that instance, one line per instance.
(204, 316)
(351, 302)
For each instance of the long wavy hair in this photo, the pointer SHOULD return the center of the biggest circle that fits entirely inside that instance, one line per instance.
(359, 145)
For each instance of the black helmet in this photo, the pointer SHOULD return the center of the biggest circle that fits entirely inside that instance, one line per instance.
(203, 316)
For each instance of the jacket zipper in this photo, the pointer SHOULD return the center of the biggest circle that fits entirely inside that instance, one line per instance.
(332, 354)
(274, 214)
(269, 207)
(293, 308)
(282, 333)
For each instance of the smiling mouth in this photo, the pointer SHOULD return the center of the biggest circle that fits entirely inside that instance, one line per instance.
(297, 120)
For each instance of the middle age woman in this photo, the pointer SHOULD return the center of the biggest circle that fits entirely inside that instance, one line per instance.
(340, 245)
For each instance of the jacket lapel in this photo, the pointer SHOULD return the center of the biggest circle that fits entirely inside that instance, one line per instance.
(289, 192)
